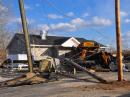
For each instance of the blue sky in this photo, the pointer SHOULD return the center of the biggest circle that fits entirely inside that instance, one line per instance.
(90, 19)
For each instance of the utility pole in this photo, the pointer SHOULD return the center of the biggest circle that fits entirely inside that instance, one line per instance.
(26, 35)
(118, 40)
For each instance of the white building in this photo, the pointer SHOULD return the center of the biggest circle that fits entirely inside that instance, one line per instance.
(42, 46)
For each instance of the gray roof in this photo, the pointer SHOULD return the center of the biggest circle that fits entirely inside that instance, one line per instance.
(17, 44)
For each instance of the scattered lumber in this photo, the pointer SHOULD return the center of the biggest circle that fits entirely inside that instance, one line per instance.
(85, 70)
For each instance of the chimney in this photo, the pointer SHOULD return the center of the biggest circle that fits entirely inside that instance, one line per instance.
(43, 34)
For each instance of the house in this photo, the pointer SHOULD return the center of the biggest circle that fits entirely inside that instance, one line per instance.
(42, 46)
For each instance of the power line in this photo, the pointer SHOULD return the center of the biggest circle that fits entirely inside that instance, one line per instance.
(58, 10)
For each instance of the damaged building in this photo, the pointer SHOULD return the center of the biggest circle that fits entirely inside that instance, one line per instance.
(42, 46)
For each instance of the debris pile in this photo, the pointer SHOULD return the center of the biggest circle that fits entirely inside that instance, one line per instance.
(29, 78)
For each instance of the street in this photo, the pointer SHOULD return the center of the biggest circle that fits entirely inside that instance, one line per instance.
(67, 87)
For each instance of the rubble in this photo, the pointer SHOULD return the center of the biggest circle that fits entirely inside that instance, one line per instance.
(29, 78)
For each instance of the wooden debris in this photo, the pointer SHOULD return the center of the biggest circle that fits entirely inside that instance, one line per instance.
(29, 78)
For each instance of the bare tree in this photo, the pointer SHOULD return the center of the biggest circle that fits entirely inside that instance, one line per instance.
(4, 19)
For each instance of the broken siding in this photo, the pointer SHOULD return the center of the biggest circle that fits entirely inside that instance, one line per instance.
(38, 53)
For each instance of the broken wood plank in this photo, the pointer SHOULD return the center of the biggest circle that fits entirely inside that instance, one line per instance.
(85, 70)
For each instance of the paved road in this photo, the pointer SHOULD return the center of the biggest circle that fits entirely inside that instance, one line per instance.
(68, 87)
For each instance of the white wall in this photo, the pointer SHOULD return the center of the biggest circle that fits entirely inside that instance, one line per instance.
(22, 56)
(72, 42)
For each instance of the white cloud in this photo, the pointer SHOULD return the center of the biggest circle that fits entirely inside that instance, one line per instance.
(128, 34)
(127, 20)
(98, 21)
(63, 27)
(18, 20)
(15, 20)
(44, 27)
(123, 14)
(77, 21)
(75, 24)
(70, 14)
(55, 16)
(27, 7)
(3, 8)
(85, 14)
(4, 14)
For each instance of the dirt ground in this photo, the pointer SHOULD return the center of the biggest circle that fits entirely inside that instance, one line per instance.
(67, 87)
